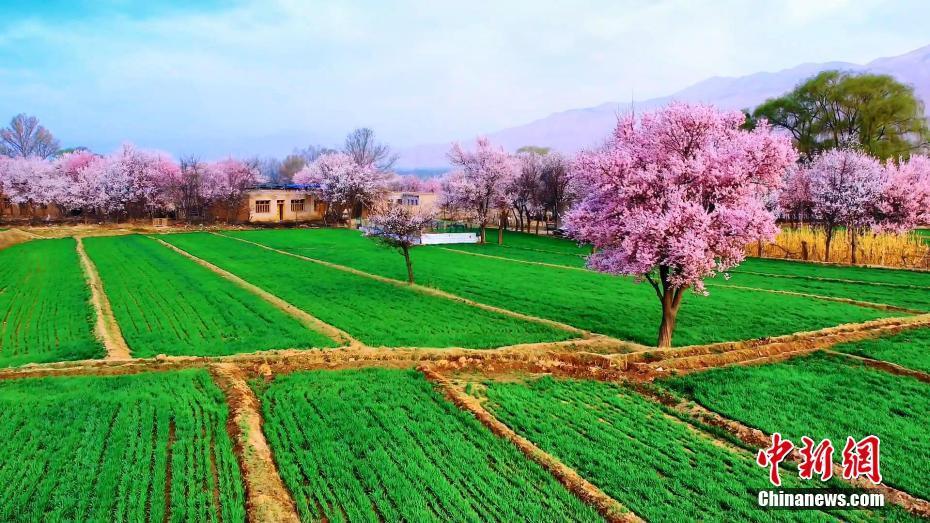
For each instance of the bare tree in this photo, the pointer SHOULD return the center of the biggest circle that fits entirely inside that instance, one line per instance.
(361, 145)
(25, 137)
(190, 189)
(556, 192)
(312, 152)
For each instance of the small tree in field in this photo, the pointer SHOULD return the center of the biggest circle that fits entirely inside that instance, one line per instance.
(482, 184)
(845, 187)
(675, 197)
(399, 227)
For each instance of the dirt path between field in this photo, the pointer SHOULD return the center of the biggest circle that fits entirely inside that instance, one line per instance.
(608, 507)
(106, 327)
(311, 322)
(267, 499)
(866, 304)
(425, 290)
(647, 365)
(755, 438)
(871, 305)
(836, 280)
(886, 366)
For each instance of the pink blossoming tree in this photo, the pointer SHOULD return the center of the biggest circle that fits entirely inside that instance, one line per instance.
(226, 182)
(481, 184)
(344, 184)
(399, 227)
(675, 197)
(845, 188)
(905, 199)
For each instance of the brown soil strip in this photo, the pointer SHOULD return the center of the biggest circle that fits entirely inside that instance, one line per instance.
(106, 327)
(757, 439)
(608, 507)
(266, 497)
(886, 366)
(168, 456)
(423, 289)
(650, 363)
(867, 304)
(11, 237)
(308, 320)
(835, 280)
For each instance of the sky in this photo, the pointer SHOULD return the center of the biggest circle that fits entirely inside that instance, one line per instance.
(248, 78)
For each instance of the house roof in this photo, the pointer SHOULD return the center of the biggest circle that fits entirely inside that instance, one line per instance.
(286, 186)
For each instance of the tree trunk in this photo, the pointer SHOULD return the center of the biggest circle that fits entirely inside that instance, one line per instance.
(409, 264)
(826, 253)
(500, 229)
(853, 245)
(484, 232)
(759, 246)
(669, 316)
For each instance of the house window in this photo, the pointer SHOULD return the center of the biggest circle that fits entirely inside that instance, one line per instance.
(297, 205)
(262, 206)
(411, 199)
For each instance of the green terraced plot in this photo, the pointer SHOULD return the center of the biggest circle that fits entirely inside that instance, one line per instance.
(900, 277)
(146, 447)
(910, 349)
(655, 464)
(382, 445)
(168, 304)
(597, 302)
(825, 396)
(377, 313)
(45, 303)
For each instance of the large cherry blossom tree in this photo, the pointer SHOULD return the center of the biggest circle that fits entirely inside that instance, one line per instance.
(398, 226)
(226, 182)
(480, 186)
(675, 196)
(845, 188)
(344, 184)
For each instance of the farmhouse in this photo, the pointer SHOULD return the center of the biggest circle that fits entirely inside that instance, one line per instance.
(274, 203)
(420, 201)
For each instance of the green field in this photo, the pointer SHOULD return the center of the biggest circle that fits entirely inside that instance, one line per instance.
(147, 447)
(824, 396)
(653, 463)
(45, 303)
(598, 302)
(900, 277)
(382, 445)
(167, 304)
(909, 349)
(377, 313)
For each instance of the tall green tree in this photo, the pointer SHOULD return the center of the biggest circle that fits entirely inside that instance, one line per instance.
(874, 113)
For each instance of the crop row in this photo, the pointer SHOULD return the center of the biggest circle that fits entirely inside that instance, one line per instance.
(166, 303)
(382, 445)
(825, 396)
(655, 464)
(910, 349)
(597, 302)
(147, 447)
(377, 313)
(45, 304)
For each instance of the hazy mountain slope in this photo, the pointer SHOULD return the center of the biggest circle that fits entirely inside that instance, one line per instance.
(578, 128)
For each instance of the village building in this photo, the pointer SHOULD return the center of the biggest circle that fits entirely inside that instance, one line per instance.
(282, 203)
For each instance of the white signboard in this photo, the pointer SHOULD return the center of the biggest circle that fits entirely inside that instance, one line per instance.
(448, 237)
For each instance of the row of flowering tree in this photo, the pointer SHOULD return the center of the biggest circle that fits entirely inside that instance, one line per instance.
(129, 183)
(846, 188)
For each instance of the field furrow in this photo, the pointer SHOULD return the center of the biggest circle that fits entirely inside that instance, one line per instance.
(376, 313)
(381, 444)
(825, 396)
(167, 304)
(95, 449)
(45, 305)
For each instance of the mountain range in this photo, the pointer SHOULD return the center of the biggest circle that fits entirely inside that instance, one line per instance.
(574, 129)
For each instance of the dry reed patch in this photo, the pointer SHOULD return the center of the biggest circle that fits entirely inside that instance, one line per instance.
(882, 250)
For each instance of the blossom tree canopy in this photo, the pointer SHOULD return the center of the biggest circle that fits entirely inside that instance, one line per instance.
(845, 187)
(675, 196)
(343, 183)
(485, 176)
(905, 199)
(399, 226)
